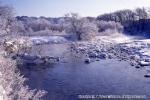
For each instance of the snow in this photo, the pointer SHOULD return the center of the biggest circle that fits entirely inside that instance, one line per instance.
(50, 39)
(145, 51)
(140, 46)
(116, 38)
(2, 92)
(133, 49)
(144, 63)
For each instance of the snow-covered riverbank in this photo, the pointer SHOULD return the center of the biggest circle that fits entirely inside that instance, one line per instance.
(48, 39)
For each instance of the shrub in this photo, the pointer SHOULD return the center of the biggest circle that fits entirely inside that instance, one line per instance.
(17, 45)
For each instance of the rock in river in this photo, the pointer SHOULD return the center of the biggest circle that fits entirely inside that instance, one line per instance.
(137, 66)
(102, 56)
(135, 57)
(92, 54)
(87, 60)
(144, 63)
(147, 75)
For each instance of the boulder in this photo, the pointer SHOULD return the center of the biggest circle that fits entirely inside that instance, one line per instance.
(147, 59)
(103, 50)
(97, 50)
(144, 63)
(135, 57)
(137, 66)
(132, 63)
(14, 57)
(92, 54)
(147, 75)
(58, 59)
(102, 56)
(29, 63)
(28, 57)
(38, 61)
(54, 59)
(110, 56)
(87, 60)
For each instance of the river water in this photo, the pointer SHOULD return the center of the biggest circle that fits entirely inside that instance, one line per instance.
(65, 81)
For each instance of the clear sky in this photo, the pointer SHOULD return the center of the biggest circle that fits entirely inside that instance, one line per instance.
(57, 8)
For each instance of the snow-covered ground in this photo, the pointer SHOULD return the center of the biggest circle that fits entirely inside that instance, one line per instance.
(2, 91)
(141, 46)
(50, 39)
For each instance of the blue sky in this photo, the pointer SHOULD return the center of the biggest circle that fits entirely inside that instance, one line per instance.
(57, 8)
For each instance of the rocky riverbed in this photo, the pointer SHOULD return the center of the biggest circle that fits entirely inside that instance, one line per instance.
(136, 52)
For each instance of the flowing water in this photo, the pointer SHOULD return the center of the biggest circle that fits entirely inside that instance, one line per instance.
(65, 81)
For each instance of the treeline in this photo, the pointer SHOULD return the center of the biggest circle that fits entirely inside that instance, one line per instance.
(83, 28)
(135, 22)
(124, 16)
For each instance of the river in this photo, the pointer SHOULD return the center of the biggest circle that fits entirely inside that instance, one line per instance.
(65, 81)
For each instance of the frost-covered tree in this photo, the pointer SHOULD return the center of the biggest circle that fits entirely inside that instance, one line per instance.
(6, 19)
(81, 27)
(56, 27)
(12, 82)
(17, 28)
(121, 16)
(142, 13)
(135, 22)
(8, 23)
(110, 25)
(126, 15)
(39, 24)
